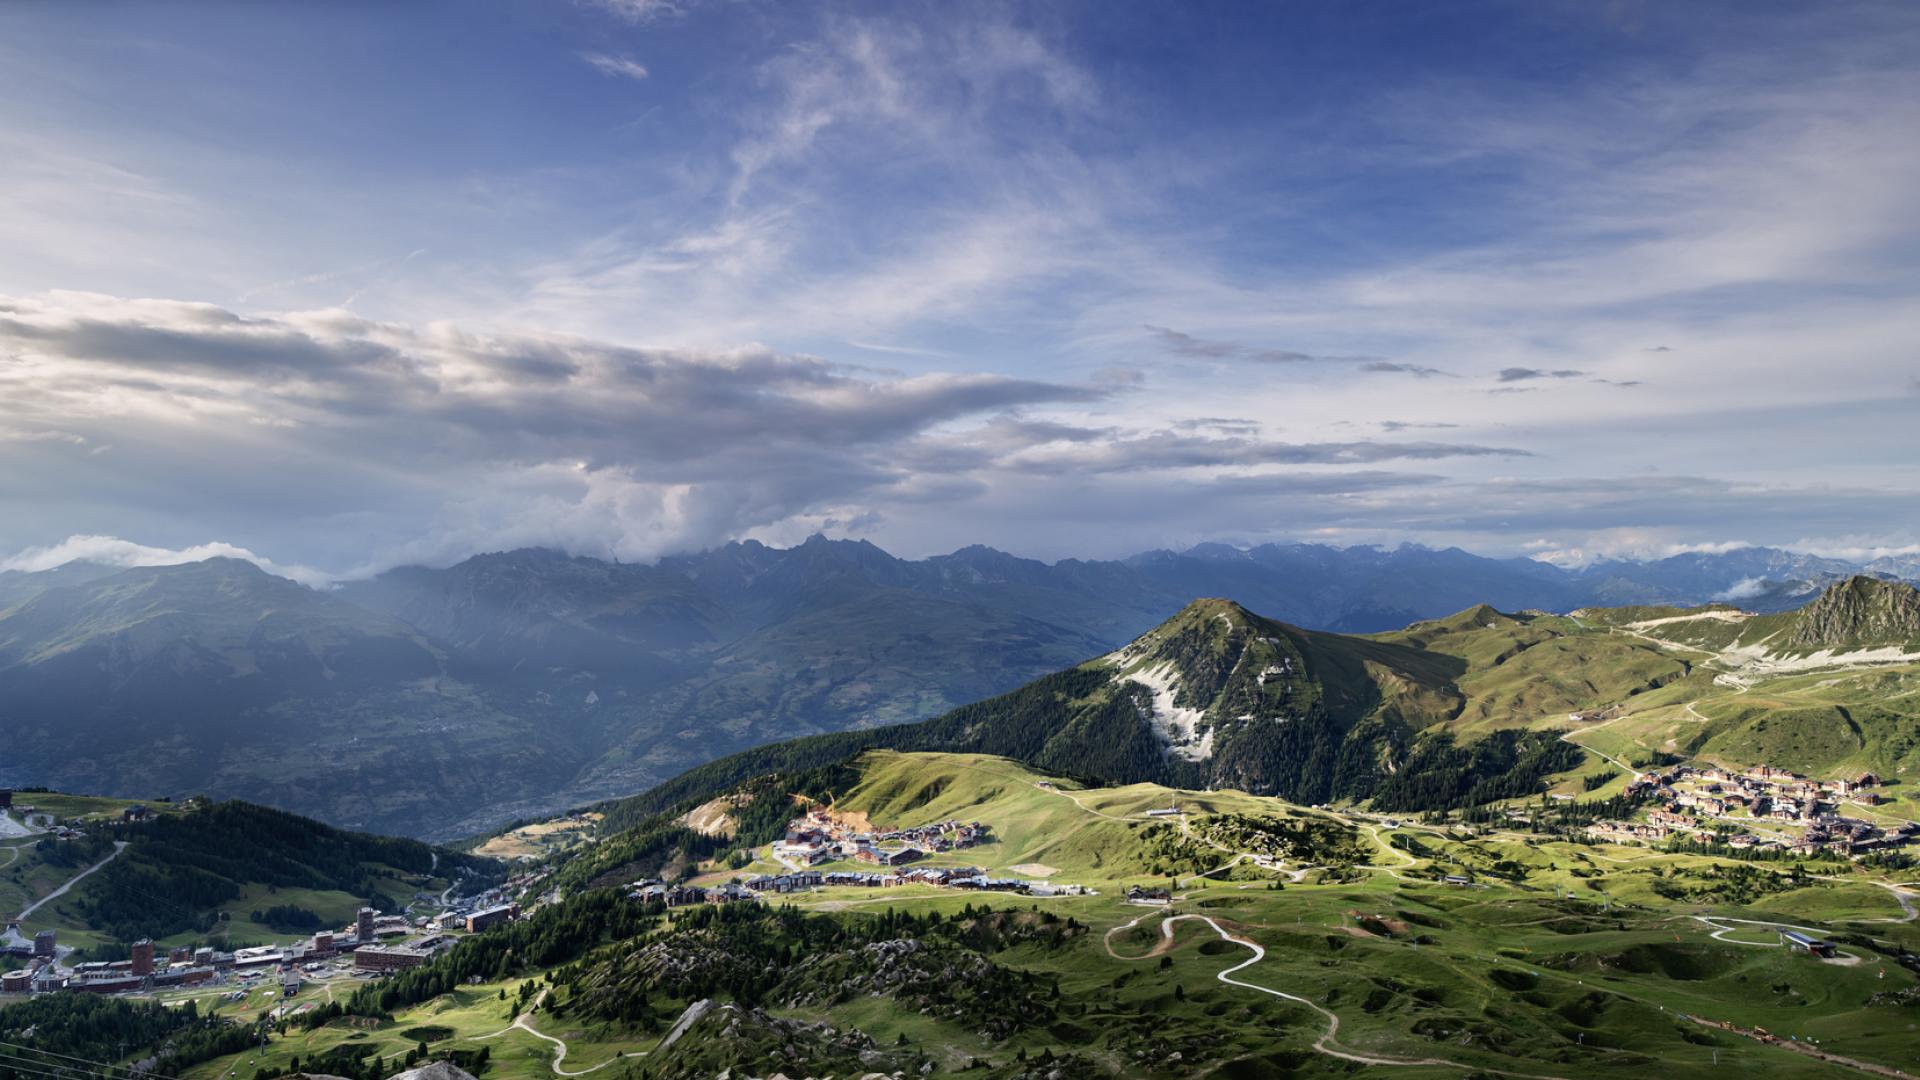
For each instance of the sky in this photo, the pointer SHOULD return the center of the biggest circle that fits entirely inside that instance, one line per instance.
(344, 286)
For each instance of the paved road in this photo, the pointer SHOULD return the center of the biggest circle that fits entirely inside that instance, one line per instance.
(118, 847)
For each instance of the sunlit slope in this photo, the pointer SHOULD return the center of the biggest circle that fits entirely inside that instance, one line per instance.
(1523, 669)
(1037, 820)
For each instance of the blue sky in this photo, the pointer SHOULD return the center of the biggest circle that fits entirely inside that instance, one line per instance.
(352, 284)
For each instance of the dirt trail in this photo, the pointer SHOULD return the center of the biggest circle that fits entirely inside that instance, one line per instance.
(524, 1022)
(1325, 1044)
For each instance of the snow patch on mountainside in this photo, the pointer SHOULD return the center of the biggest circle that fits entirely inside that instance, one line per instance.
(1753, 662)
(1717, 615)
(1179, 728)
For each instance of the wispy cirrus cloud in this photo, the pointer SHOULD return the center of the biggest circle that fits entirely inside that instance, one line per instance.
(619, 66)
(640, 12)
(1394, 367)
(1179, 343)
(1521, 374)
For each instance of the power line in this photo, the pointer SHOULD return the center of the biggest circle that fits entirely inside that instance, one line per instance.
(86, 1061)
(66, 1073)
(91, 1068)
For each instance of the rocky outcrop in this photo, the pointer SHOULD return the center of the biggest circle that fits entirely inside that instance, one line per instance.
(439, 1070)
(739, 1043)
(1860, 611)
(932, 978)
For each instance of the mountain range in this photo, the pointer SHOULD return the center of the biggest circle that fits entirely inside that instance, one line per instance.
(442, 702)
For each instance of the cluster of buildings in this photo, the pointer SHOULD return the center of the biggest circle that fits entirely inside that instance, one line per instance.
(148, 968)
(821, 837)
(1762, 791)
(35, 965)
(755, 888)
(1691, 799)
(370, 955)
(682, 895)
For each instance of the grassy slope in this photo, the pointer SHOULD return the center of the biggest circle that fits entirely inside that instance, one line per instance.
(1506, 976)
(1532, 670)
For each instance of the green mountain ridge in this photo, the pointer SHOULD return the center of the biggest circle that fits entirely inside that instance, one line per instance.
(446, 701)
(1448, 712)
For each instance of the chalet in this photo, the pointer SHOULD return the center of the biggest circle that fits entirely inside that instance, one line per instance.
(1138, 895)
(1457, 880)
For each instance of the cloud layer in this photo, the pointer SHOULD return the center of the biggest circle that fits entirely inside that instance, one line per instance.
(629, 276)
(470, 440)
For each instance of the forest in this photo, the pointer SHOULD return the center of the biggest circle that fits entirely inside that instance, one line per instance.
(178, 869)
(85, 1033)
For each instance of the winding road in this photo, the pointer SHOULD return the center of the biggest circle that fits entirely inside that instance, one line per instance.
(118, 847)
(1325, 1043)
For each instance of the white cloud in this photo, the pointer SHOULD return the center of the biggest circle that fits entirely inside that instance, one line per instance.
(1744, 589)
(113, 551)
(617, 66)
(644, 11)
